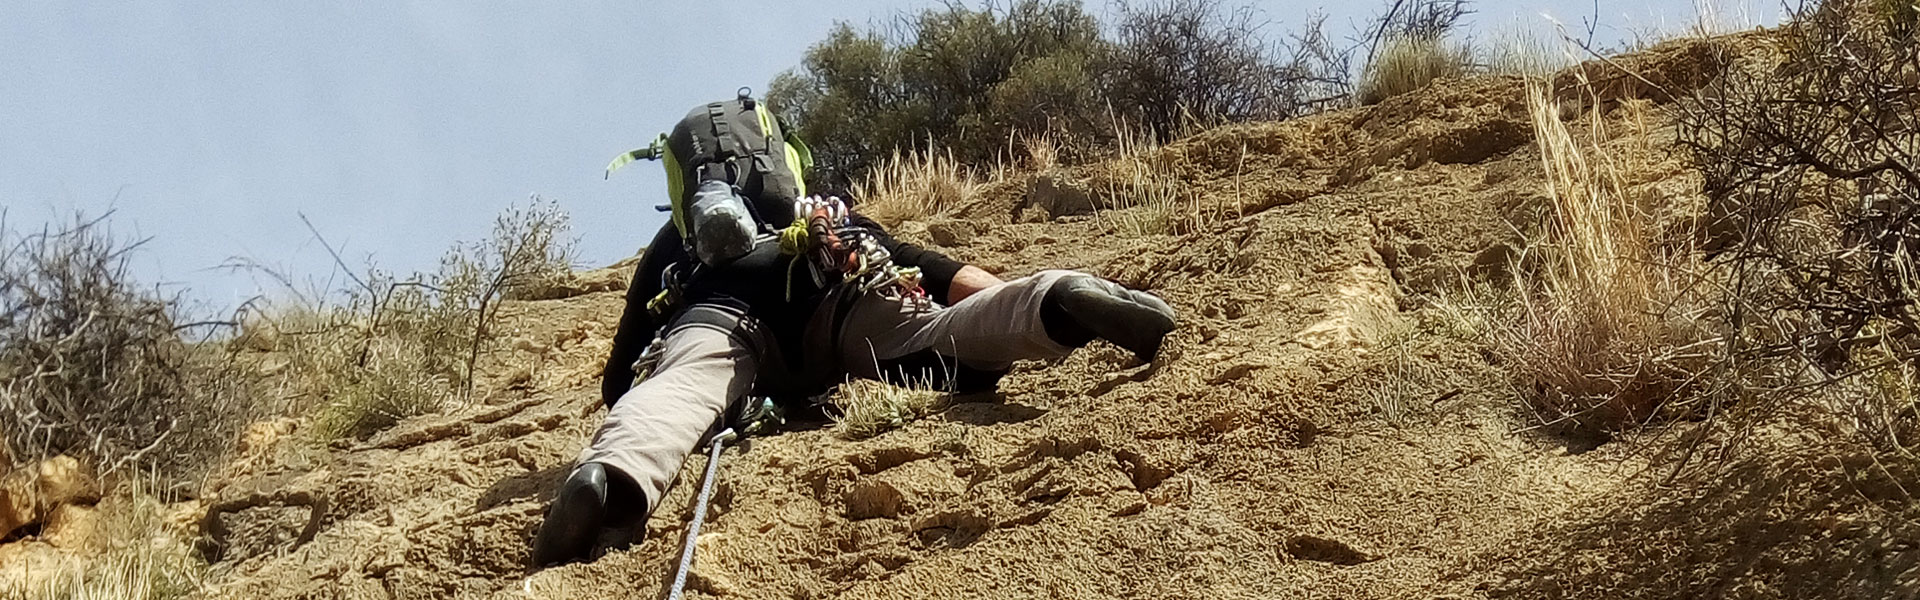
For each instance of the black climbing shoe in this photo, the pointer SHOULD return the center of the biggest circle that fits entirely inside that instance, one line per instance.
(1137, 321)
(574, 521)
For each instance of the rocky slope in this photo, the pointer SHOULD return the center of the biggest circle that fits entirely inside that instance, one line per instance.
(1317, 428)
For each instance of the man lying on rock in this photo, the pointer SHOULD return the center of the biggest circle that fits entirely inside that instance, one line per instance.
(756, 289)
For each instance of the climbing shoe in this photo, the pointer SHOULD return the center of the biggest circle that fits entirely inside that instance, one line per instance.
(1093, 307)
(574, 521)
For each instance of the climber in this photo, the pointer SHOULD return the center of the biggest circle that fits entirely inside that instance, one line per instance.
(756, 289)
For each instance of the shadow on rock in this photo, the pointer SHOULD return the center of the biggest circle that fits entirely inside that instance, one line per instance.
(1799, 527)
(537, 486)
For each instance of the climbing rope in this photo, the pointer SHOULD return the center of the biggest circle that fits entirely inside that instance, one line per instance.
(700, 510)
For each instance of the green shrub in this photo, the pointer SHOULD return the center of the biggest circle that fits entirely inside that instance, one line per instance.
(973, 81)
(931, 83)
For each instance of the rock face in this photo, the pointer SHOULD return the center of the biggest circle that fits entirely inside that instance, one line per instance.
(29, 495)
(1059, 194)
(951, 232)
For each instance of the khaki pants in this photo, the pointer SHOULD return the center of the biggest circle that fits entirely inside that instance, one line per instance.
(702, 369)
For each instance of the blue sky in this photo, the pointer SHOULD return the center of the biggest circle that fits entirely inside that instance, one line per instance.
(399, 128)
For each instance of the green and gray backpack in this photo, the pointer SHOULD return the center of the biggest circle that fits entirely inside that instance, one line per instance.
(723, 159)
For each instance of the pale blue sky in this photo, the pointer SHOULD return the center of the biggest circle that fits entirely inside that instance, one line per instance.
(401, 127)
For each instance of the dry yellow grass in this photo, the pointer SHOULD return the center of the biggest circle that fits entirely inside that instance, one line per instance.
(1144, 195)
(1406, 65)
(400, 346)
(869, 408)
(913, 186)
(1514, 50)
(351, 378)
(1603, 335)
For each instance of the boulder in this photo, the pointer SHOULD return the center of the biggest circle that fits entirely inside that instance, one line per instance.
(1060, 195)
(29, 495)
(950, 233)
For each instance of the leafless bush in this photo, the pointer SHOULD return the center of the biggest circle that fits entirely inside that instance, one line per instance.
(94, 364)
(1809, 164)
(399, 346)
(1180, 63)
(1416, 20)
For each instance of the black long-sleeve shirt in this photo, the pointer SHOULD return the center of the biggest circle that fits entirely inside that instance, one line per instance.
(759, 281)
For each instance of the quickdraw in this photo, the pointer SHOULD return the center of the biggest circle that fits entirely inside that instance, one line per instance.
(838, 252)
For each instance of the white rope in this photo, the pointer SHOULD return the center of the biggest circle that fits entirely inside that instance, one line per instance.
(700, 510)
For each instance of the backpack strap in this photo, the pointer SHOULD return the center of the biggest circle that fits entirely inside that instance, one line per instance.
(723, 129)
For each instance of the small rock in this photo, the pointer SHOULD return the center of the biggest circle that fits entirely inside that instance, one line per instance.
(1127, 503)
(17, 505)
(529, 346)
(63, 481)
(1319, 549)
(261, 436)
(951, 232)
(1060, 195)
(711, 582)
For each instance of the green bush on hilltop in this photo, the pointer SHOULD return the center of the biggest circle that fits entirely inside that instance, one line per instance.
(971, 81)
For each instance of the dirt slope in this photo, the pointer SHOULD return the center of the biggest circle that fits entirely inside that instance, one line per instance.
(1312, 431)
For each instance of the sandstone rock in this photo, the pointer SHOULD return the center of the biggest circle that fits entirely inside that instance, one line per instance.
(70, 526)
(572, 283)
(18, 504)
(708, 575)
(1060, 195)
(908, 488)
(261, 437)
(64, 480)
(29, 495)
(873, 499)
(951, 232)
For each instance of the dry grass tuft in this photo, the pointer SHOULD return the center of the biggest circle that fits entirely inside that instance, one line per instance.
(1517, 51)
(1604, 336)
(1144, 195)
(1404, 384)
(869, 408)
(1408, 64)
(913, 186)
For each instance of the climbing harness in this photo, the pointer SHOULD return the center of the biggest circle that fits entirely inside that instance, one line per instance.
(714, 447)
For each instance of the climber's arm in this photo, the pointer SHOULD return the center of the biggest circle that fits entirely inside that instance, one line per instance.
(968, 281)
